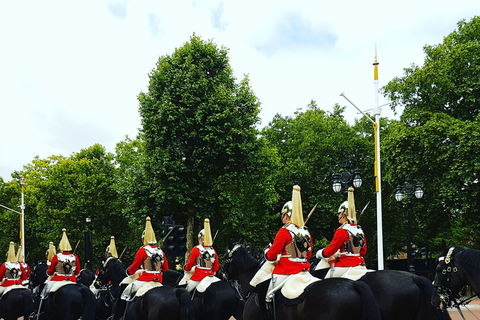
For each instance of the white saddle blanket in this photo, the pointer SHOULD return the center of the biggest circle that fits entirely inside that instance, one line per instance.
(297, 283)
(206, 282)
(58, 284)
(147, 286)
(263, 274)
(4, 290)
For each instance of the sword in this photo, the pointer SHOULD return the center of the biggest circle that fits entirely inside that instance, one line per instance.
(122, 253)
(310, 214)
(361, 214)
(168, 233)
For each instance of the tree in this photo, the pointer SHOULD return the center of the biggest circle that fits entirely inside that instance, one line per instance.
(201, 146)
(66, 192)
(312, 145)
(448, 82)
(437, 138)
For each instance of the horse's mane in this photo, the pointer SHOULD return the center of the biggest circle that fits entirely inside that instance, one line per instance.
(247, 260)
(116, 266)
(468, 257)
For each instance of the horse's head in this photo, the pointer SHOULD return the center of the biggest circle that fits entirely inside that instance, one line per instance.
(38, 275)
(111, 271)
(448, 279)
(237, 261)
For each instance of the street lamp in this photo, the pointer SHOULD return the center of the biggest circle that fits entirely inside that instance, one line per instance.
(342, 181)
(409, 190)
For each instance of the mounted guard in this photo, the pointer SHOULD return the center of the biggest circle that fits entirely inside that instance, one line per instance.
(144, 273)
(12, 273)
(25, 266)
(288, 255)
(203, 261)
(344, 256)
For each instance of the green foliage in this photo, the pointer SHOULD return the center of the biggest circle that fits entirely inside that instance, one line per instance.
(201, 148)
(62, 192)
(448, 82)
(312, 145)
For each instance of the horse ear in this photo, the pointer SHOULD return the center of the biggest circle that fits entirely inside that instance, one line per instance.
(443, 247)
(451, 244)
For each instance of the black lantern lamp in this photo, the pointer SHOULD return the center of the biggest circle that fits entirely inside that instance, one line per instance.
(409, 190)
(342, 181)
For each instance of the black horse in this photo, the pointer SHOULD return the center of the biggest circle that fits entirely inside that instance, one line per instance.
(86, 277)
(218, 302)
(163, 302)
(16, 303)
(457, 268)
(69, 302)
(327, 299)
(400, 295)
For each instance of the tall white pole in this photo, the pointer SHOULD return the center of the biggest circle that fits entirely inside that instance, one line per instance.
(378, 177)
(22, 221)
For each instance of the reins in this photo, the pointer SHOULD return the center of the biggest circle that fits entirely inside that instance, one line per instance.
(445, 293)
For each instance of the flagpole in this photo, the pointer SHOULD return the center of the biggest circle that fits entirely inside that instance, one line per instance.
(378, 177)
(22, 220)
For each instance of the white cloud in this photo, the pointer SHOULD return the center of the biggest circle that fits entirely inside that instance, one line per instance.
(70, 72)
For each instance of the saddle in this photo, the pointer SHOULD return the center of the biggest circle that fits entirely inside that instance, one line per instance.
(4, 290)
(297, 283)
(206, 282)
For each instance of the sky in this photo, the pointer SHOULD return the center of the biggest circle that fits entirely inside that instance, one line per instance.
(71, 71)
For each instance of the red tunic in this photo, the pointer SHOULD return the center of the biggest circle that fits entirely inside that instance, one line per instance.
(146, 275)
(340, 237)
(60, 277)
(200, 273)
(285, 265)
(9, 282)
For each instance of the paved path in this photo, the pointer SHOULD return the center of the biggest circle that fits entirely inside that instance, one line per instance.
(470, 312)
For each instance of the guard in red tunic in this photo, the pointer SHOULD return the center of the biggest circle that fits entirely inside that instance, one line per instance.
(64, 265)
(345, 253)
(203, 259)
(291, 249)
(148, 265)
(11, 272)
(25, 266)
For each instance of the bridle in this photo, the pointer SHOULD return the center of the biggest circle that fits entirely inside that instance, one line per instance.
(444, 292)
(442, 286)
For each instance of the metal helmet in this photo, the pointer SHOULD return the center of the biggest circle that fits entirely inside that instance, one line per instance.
(20, 255)
(201, 234)
(207, 237)
(148, 235)
(51, 251)
(348, 207)
(64, 244)
(111, 250)
(297, 212)
(11, 253)
(287, 209)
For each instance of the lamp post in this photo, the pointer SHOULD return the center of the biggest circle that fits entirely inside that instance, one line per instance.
(409, 190)
(349, 178)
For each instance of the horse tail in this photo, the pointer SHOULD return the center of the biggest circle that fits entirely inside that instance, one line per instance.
(186, 306)
(426, 290)
(29, 304)
(89, 303)
(370, 309)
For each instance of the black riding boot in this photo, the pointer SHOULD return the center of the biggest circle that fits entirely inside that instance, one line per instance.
(262, 293)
